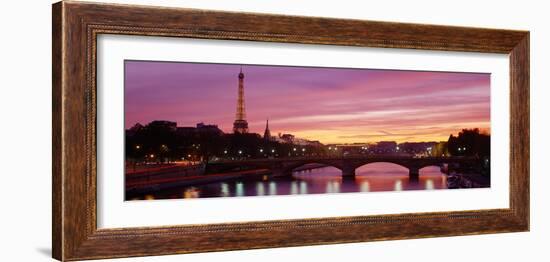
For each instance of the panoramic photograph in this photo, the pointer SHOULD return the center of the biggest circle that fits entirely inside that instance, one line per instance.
(203, 130)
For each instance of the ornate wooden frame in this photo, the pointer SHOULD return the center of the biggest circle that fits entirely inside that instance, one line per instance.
(76, 26)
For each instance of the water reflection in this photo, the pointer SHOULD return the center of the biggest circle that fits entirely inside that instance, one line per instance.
(224, 190)
(429, 184)
(260, 189)
(272, 188)
(398, 186)
(149, 197)
(191, 192)
(333, 187)
(239, 189)
(293, 188)
(369, 178)
(364, 186)
(303, 187)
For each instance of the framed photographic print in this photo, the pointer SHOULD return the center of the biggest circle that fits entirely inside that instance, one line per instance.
(181, 130)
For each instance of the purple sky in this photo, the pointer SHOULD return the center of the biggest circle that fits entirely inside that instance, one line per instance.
(326, 104)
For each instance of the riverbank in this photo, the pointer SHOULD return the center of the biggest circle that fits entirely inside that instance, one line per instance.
(165, 181)
(159, 178)
(468, 180)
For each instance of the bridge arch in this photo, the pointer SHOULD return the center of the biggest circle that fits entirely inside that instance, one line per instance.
(291, 167)
(410, 167)
(366, 164)
(431, 168)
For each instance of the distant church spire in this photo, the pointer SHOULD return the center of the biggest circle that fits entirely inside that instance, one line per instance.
(240, 125)
(267, 133)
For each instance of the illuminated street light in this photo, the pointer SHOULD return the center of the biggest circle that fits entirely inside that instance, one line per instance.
(272, 150)
(261, 150)
(303, 150)
(225, 151)
(294, 149)
(138, 147)
(151, 156)
(240, 152)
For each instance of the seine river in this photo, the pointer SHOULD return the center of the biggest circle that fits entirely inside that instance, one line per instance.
(369, 178)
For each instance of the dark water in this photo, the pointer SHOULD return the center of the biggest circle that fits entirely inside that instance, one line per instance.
(370, 178)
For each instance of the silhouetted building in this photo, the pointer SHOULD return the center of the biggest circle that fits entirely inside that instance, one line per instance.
(267, 133)
(172, 126)
(315, 143)
(201, 128)
(286, 138)
(240, 125)
(134, 129)
(211, 129)
(421, 148)
(385, 147)
(186, 130)
(354, 148)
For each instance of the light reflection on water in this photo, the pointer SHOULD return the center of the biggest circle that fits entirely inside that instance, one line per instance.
(260, 189)
(272, 188)
(364, 186)
(429, 184)
(293, 188)
(398, 186)
(239, 189)
(374, 177)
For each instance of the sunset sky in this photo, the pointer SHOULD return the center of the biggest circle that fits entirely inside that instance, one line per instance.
(326, 104)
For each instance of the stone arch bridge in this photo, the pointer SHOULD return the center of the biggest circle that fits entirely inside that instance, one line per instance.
(347, 164)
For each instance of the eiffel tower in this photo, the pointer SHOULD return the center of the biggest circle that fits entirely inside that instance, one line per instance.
(240, 125)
